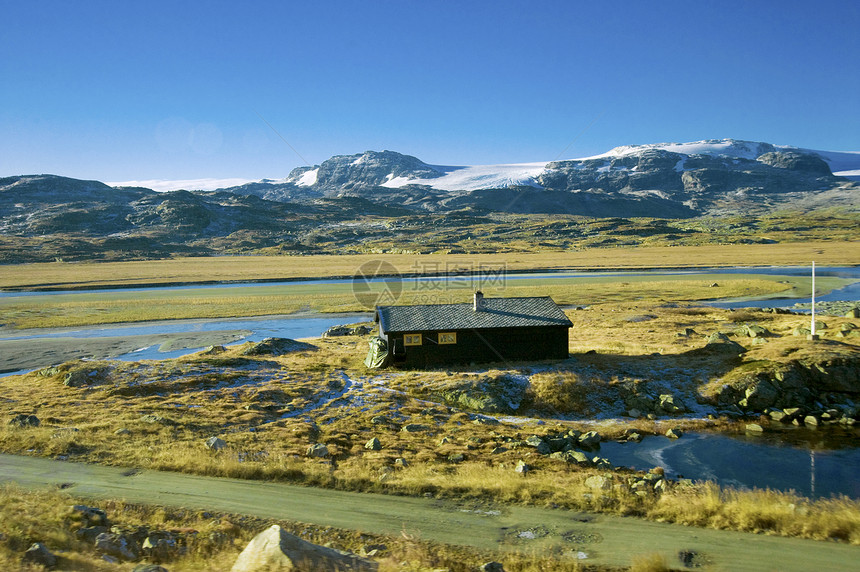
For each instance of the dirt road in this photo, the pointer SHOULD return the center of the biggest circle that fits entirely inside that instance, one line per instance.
(602, 539)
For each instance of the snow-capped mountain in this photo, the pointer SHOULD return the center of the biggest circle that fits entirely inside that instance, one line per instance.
(664, 179)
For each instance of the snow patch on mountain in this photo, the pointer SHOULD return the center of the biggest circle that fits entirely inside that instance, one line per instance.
(308, 178)
(163, 186)
(476, 177)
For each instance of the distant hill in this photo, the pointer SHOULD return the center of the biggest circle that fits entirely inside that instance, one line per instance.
(380, 201)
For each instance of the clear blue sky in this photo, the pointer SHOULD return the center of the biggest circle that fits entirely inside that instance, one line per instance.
(122, 90)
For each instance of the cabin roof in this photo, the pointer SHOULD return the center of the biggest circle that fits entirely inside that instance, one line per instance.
(494, 313)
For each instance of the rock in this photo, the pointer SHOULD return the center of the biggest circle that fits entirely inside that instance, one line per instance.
(24, 420)
(670, 404)
(578, 457)
(153, 418)
(317, 450)
(721, 344)
(811, 421)
(601, 463)
(91, 515)
(778, 415)
(456, 458)
(276, 549)
(276, 347)
(337, 331)
(116, 545)
(373, 445)
(401, 462)
(49, 371)
(753, 331)
(598, 482)
(499, 394)
(90, 533)
(77, 378)
(853, 313)
(522, 467)
(590, 439)
(149, 568)
(39, 555)
(215, 443)
(122, 431)
(634, 413)
(213, 350)
(674, 433)
(492, 567)
(413, 428)
(534, 441)
(761, 395)
(160, 547)
(754, 428)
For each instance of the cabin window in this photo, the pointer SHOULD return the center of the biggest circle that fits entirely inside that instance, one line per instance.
(412, 339)
(447, 337)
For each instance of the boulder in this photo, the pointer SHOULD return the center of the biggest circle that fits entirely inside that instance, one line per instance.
(373, 445)
(590, 440)
(598, 482)
(91, 515)
(337, 331)
(117, 546)
(215, 443)
(276, 549)
(90, 533)
(276, 347)
(39, 555)
(413, 428)
(491, 567)
(761, 395)
(674, 433)
(671, 404)
(754, 428)
(522, 467)
(24, 420)
(317, 450)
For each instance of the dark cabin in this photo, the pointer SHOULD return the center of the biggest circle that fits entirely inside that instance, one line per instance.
(488, 330)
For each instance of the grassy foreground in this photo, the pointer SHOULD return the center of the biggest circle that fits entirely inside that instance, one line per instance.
(270, 409)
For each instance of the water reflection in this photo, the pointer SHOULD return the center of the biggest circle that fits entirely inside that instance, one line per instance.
(812, 463)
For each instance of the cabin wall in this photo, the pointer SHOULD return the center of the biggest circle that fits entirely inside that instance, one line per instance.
(480, 346)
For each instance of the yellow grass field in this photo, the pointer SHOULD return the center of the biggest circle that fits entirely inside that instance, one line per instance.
(60, 275)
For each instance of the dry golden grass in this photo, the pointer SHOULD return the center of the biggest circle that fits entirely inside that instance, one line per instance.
(245, 268)
(129, 306)
(227, 394)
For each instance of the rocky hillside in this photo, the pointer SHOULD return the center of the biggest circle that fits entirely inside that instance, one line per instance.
(386, 201)
(665, 180)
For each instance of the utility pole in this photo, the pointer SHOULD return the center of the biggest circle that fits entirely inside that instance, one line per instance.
(812, 335)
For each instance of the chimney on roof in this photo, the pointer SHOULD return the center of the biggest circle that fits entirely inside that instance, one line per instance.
(479, 301)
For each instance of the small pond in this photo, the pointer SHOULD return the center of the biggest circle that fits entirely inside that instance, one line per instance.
(813, 463)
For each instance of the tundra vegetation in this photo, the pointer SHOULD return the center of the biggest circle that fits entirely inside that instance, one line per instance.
(312, 414)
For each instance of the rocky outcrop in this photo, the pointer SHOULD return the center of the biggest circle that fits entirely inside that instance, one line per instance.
(276, 549)
(276, 347)
(491, 394)
(799, 385)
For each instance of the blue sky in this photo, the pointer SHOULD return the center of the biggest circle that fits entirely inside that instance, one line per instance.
(119, 91)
